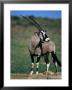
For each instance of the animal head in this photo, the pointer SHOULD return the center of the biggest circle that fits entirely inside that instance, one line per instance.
(42, 34)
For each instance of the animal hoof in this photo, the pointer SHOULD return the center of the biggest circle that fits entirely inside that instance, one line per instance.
(36, 73)
(31, 72)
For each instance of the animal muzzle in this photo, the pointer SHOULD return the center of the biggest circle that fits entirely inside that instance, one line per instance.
(47, 39)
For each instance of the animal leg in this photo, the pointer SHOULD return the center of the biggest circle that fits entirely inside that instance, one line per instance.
(55, 61)
(48, 66)
(47, 61)
(55, 58)
(56, 66)
(32, 58)
(37, 64)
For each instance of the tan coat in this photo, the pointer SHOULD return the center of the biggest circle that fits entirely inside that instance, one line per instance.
(46, 46)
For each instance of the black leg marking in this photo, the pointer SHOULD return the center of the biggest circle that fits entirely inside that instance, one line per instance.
(38, 59)
(37, 63)
(31, 69)
(32, 58)
(54, 60)
(37, 69)
(46, 58)
(47, 61)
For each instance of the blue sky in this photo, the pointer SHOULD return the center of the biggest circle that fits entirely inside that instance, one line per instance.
(49, 14)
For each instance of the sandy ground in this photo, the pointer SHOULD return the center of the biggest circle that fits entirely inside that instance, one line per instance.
(49, 75)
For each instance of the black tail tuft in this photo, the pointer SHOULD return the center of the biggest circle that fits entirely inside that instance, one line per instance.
(56, 59)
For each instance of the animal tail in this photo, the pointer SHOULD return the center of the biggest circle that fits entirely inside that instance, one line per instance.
(55, 58)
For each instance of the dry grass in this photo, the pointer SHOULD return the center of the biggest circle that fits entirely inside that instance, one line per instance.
(49, 75)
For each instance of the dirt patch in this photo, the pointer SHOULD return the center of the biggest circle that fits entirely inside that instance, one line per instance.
(49, 75)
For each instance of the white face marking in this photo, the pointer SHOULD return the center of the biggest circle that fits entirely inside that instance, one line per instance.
(43, 33)
(41, 36)
(47, 39)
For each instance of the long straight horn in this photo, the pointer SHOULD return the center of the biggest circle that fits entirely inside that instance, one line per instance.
(36, 24)
(31, 21)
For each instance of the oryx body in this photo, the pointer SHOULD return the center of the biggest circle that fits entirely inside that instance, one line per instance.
(47, 46)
